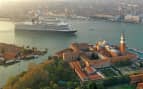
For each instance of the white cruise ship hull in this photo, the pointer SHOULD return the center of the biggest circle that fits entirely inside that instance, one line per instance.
(42, 27)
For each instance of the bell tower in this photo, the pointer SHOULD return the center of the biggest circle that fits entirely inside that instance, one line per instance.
(122, 43)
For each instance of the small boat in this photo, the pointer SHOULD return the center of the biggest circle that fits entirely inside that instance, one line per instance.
(10, 62)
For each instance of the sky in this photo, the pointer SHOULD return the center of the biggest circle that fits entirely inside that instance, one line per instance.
(97, 1)
(28, 0)
(65, 0)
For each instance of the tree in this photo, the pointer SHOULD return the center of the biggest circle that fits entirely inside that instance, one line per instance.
(69, 84)
(55, 86)
(78, 87)
(99, 85)
(91, 85)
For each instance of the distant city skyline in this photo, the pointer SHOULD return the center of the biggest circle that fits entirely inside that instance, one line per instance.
(75, 7)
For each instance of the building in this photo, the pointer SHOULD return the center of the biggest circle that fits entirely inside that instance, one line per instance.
(75, 65)
(79, 47)
(139, 86)
(60, 53)
(70, 56)
(132, 19)
(85, 59)
(90, 70)
(136, 78)
(86, 73)
(122, 44)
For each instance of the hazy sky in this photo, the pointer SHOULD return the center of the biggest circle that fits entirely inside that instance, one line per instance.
(68, 0)
(28, 0)
(79, 1)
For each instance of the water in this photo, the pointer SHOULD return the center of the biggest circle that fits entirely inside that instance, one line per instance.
(88, 31)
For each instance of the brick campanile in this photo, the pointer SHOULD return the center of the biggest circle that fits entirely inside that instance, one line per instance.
(122, 43)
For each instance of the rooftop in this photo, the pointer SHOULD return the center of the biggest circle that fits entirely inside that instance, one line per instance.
(140, 86)
(86, 59)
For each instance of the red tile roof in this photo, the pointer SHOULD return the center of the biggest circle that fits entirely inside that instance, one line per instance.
(140, 86)
(81, 74)
(136, 78)
(76, 66)
(90, 69)
(9, 55)
(95, 77)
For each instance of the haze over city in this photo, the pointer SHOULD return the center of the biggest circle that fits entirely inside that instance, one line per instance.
(78, 7)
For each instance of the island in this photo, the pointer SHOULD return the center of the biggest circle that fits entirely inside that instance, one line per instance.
(10, 54)
(102, 65)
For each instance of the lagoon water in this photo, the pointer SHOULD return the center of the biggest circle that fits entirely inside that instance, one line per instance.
(88, 31)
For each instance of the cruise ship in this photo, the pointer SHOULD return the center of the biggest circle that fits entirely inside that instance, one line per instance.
(45, 24)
